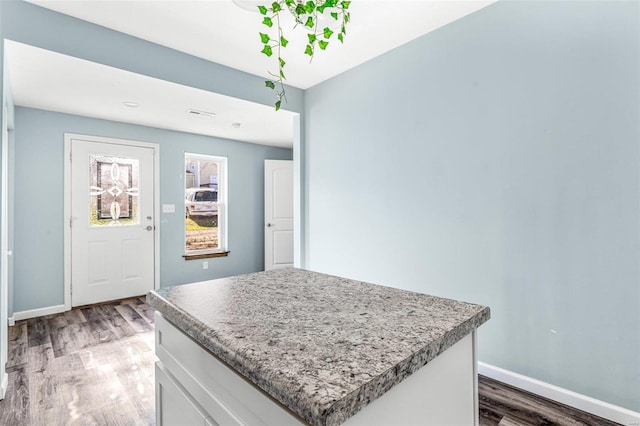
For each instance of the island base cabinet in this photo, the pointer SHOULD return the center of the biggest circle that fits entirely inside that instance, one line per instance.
(195, 387)
(223, 396)
(174, 405)
(442, 393)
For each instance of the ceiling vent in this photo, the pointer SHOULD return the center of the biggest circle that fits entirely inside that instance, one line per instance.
(200, 113)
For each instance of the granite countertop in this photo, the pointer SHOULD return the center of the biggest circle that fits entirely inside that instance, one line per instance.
(323, 346)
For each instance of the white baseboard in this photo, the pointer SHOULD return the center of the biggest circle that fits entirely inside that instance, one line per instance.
(40, 312)
(4, 383)
(11, 321)
(561, 395)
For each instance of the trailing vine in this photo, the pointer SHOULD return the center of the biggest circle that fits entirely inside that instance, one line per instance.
(306, 14)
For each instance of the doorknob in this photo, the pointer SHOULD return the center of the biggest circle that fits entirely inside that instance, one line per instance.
(149, 228)
(269, 225)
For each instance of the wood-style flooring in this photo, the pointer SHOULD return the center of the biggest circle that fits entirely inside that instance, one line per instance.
(94, 366)
(504, 405)
(88, 366)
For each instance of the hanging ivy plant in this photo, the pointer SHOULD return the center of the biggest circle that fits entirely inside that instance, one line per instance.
(306, 14)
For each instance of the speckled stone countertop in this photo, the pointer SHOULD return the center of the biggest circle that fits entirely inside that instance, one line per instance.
(323, 346)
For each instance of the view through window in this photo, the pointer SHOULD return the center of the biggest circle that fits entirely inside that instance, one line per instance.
(205, 204)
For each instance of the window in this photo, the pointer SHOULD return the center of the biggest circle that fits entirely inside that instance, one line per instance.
(113, 190)
(205, 205)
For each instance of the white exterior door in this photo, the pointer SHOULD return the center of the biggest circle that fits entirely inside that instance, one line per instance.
(112, 223)
(278, 214)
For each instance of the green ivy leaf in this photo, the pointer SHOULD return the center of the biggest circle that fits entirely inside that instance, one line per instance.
(308, 50)
(309, 22)
(310, 6)
(305, 12)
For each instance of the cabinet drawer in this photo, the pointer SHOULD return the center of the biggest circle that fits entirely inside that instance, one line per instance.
(227, 397)
(174, 405)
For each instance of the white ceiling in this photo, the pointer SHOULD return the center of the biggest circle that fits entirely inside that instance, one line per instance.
(219, 31)
(47, 80)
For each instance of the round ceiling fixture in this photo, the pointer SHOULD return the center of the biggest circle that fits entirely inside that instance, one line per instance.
(131, 104)
(249, 5)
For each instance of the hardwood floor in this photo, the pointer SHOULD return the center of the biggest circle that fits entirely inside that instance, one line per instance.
(89, 366)
(95, 366)
(504, 405)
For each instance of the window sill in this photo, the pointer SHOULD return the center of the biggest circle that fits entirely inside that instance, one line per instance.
(205, 255)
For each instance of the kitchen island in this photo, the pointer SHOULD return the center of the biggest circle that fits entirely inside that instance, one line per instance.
(290, 346)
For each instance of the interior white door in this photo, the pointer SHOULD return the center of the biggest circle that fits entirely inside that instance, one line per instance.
(112, 224)
(4, 250)
(278, 214)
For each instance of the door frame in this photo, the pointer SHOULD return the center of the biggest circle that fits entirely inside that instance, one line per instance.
(4, 249)
(68, 137)
(300, 196)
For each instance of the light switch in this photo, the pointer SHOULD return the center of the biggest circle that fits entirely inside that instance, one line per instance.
(168, 208)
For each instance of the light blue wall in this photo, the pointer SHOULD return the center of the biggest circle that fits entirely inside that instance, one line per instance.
(496, 160)
(39, 193)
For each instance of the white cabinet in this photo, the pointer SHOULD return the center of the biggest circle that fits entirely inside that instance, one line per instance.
(174, 404)
(210, 386)
(195, 387)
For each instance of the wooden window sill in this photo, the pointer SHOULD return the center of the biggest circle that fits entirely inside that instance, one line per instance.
(205, 255)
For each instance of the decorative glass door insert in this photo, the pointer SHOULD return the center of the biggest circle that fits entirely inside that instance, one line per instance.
(113, 190)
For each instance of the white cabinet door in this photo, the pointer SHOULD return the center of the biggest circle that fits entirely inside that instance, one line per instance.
(175, 406)
(112, 226)
(278, 214)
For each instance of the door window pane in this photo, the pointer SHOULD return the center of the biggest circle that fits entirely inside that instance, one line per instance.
(113, 190)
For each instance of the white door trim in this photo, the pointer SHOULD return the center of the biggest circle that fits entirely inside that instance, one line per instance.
(68, 137)
(298, 195)
(4, 249)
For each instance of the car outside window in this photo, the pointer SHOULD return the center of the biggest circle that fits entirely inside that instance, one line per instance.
(206, 196)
